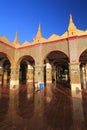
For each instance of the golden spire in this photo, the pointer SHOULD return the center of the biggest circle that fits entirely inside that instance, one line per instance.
(71, 18)
(16, 38)
(71, 27)
(16, 41)
(71, 24)
(39, 34)
(39, 27)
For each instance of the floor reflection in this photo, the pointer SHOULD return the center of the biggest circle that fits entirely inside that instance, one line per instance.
(84, 103)
(25, 107)
(52, 108)
(4, 104)
(57, 114)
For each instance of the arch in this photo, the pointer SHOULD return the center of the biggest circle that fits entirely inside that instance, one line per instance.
(26, 73)
(83, 68)
(21, 58)
(8, 56)
(60, 60)
(5, 65)
(57, 68)
(83, 55)
(44, 57)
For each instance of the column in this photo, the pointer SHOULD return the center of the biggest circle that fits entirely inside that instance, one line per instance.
(48, 73)
(39, 75)
(83, 76)
(5, 77)
(75, 76)
(30, 73)
(74, 63)
(14, 77)
(86, 74)
(53, 73)
(1, 74)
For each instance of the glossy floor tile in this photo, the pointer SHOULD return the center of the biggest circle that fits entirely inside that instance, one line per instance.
(52, 108)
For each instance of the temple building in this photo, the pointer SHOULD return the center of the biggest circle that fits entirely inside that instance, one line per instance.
(58, 58)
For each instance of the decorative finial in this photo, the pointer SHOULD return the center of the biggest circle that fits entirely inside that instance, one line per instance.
(71, 18)
(16, 41)
(16, 38)
(71, 27)
(39, 34)
(39, 27)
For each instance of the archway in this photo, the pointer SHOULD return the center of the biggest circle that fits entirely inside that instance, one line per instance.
(4, 69)
(83, 69)
(57, 68)
(26, 74)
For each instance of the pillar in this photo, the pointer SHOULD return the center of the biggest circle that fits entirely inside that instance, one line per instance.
(48, 73)
(1, 74)
(54, 73)
(58, 73)
(75, 76)
(5, 77)
(39, 75)
(14, 77)
(30, 74)
(86, 72)
(74, 62)
(83, 76)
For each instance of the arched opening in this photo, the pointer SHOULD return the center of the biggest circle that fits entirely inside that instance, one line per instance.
(83, 69)
(26, 74)
(23, 71)
(4, 70)
(57, 69)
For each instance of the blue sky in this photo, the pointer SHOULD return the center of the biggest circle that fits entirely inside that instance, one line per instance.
(23, 16)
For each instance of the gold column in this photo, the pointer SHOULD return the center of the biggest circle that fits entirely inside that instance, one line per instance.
(39, 75)
(54, 73)
(14, 77)
(75, 76)
(5, 77)
(48, 73)
(30, 74)
(1, 75)
(86, 74)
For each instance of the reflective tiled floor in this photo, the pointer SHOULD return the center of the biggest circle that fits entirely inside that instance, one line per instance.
(52, 108)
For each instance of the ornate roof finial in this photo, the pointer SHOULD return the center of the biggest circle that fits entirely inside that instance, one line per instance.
(16, 38)
(71, 18)
(16, 41)
(71, 27)
(39, 27)
(39, 34)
